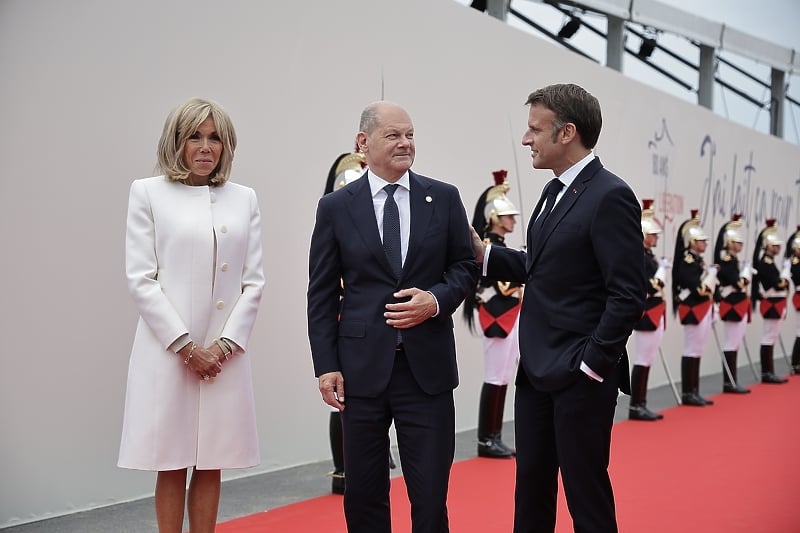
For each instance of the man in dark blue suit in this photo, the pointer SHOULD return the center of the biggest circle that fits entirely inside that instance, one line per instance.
(399, 244)
(585, 287)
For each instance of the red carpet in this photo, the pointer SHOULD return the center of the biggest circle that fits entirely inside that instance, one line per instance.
(734, 466)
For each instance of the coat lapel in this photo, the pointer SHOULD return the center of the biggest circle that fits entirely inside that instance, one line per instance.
(362, 213)
(562, 208)
(422, 203)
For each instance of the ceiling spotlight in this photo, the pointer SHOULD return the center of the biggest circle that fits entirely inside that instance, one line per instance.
(570, 28)
(646, 47)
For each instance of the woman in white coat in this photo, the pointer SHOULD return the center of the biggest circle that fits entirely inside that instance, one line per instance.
(194, 269)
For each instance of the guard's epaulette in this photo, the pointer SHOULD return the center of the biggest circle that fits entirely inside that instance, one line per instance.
(688, 258)
(768, 260)
(727, 257)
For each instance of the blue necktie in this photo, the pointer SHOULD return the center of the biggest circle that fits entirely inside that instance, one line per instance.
(391, 230)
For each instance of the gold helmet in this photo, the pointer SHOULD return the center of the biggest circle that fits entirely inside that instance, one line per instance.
(794, 243)
(346, 168)
(649, 225)
(350, 168)
(730, 232)
(769, 235)
(497, 203)
(691, 230)
(733, 230)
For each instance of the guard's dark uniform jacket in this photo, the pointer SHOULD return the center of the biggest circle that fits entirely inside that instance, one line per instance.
(654, 306)
(774, 288)
(795, 269)
(694, 299)
(734, 304)
(498, 302)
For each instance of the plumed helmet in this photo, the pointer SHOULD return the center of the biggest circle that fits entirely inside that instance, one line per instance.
(691, 230)
(350, 168)
(733, 230)
(793, 245)
(769, 235)
(649, 225)
(730, 232)
(497, 203)
(347, 167)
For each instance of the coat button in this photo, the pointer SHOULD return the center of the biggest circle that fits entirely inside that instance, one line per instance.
(224, 267)
(220, 304)
(223, 228)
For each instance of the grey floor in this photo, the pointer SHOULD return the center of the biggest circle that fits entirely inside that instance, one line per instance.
(254, 494)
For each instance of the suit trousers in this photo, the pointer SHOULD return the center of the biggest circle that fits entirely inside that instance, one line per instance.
(568, 429)
(425, 427)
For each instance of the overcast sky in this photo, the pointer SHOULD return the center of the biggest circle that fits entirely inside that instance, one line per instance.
(777, 21)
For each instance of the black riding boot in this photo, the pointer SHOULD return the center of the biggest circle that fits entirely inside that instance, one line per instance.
(768, 366)
(498, 417)
(490, 422)
(337, 452)
(690, 383)
(727, 385)
(796, 356)
(638, 408)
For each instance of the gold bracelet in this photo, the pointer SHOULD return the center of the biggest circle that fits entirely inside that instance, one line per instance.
(186, 361)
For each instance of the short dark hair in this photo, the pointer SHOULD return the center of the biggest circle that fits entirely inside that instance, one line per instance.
(571, 103)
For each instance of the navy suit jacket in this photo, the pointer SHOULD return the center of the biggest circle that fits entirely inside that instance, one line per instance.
(585, 283)
(352, 336)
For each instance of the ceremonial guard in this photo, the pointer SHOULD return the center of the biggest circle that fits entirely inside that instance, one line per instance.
(649, 331)
(793, 255)
(693, 288)
(346, 168)
(732, 296)
(498, 305)
(770, 290)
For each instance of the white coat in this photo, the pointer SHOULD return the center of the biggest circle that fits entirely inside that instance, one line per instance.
(194, 265)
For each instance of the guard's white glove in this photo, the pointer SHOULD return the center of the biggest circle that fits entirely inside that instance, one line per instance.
(786, 271)
(747, 271)
(661, 272)
(710, 280)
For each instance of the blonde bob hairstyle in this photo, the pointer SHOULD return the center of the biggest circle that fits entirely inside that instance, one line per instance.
(181, 124)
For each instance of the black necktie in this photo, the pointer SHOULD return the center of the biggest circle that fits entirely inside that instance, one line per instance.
(552, 190)
(391, 230)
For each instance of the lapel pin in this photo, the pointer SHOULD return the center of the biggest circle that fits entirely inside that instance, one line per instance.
(428, 199)
(574, 191)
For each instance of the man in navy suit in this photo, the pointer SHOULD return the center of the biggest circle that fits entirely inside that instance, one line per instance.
(399, 244)
(585, 287)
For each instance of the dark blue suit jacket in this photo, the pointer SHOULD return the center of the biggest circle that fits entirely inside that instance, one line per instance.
(346, 249)
(585, 284)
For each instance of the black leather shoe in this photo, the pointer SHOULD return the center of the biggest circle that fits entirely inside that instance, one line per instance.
(641, 412)
(693, 399)
(337, 482)
(734, 389)
(769, 377)
(504, 446)
(491, 448)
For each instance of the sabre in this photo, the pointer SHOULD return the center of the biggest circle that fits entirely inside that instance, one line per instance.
(669, 377)
(750, 359)
(725, 366)
(516, 172)
(785, 355)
